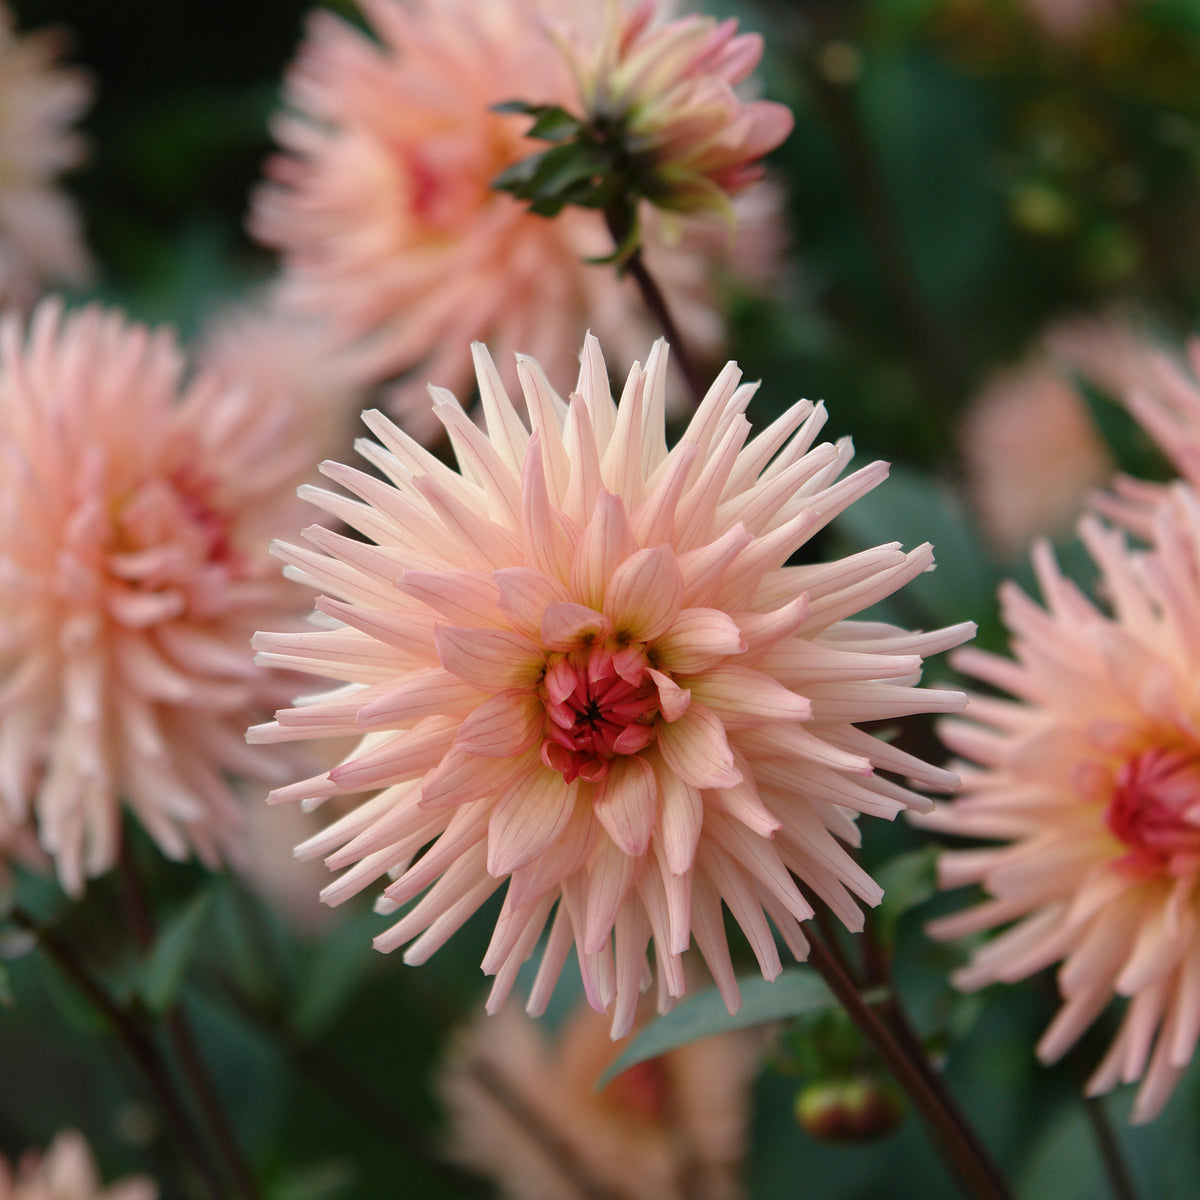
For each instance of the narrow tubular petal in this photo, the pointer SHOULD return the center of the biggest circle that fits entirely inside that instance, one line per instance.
(606, 542)
(744, 698)
(610, 875)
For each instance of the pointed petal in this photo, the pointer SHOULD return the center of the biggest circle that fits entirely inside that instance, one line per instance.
(627, 805)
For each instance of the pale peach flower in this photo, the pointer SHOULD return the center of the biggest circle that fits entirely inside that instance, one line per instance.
(1070, 19)
(382, 207)
(66, 1171)
(667, 88)
(1089, 777)
(582, 668)
(134, 516)
(40, 236)
(524, 1110)
(1159, 388)
(1031, 455)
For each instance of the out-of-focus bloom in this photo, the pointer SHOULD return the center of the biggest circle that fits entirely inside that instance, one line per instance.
(671, 1128)
(1090, 777)
(666, 92)
(66, 1171)
(1031, 455)
(134, 517)
(40, 237)
(390, 231)
(583, 668)
(1158, 387)
(286, 361)
(1069, 19)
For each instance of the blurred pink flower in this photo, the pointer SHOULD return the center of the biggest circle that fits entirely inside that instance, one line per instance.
(66, 1171)
(1090, 777)
(672, 1128)
(1031, 455)
(40, 236)
(1069, 19)
(134, 518)
(582, 667)
(382, 208)
(668, 86)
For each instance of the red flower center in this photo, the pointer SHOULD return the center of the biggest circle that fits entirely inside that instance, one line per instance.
(1155, 809)
(599, 703)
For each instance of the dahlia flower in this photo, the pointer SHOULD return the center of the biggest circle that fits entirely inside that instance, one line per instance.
(134, 516)
(1089, 777)
(1031, 454)
(671, 1128)
(66, 1171)
(582, 667)
(667, 89)
(40, 237)
(382, 207)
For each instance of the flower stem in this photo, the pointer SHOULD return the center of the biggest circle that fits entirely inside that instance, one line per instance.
(656, 302)
(976, 1172)
(1120, 1178)
(183, 1041)
(137, 1042)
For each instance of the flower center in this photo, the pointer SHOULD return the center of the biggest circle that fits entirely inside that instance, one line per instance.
(1155, 809)
(600, 703)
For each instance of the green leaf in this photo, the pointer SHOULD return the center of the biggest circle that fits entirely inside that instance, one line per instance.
(907, 880)
(797, 991)
(338, 968)
(551, 123)
(163, 971)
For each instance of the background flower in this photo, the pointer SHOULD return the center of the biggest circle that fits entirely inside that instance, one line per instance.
(40, 237)
(134, 515)
(1089, 777)
(672, 1127)
(390, 231)
(584, 669)
(66, 1172)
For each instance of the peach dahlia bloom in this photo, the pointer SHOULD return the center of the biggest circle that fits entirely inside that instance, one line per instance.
(382, 207)
(671, 1128)
(669, 87)
(40, 236)
(66, 1171)
(582, 668)
(134, 516)
(1089, 777)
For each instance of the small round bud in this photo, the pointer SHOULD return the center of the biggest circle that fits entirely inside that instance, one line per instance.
(853, 1109)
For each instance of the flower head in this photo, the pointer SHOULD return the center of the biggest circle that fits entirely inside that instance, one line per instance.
(382, 206)
(40, 239)
(66, 1172)
(667, 1128)
(1089, 777)
(134, 516)
(583, 668)
(666, 90)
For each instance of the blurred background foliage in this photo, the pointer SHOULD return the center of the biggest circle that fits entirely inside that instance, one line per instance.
(958, 178)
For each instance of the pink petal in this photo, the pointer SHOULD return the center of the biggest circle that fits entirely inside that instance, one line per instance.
(698, 640)
(606, 542)
(673, 701)
(524, 596)
(610, 876)
(696, 749)
(645, 594)
(567, 627)
(490, 659)
(681, 817)
(743, 698)
(526, 822)
(503, 726)
(627, 805)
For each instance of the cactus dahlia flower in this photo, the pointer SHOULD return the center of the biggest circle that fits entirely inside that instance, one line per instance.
(1089, 778)
(134, 516)
(583, 670)
(382, 208)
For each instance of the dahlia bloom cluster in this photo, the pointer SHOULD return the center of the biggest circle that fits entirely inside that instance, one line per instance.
(40, 237)
(1089, 778)
(583, 668)
(66, 1171)
(135, 512)
(382, 207)
(668, 88)
(671, 1128)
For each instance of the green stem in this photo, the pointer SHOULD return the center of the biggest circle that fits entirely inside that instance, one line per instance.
(976, 1172)
(137, 1042)
(656, 302)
